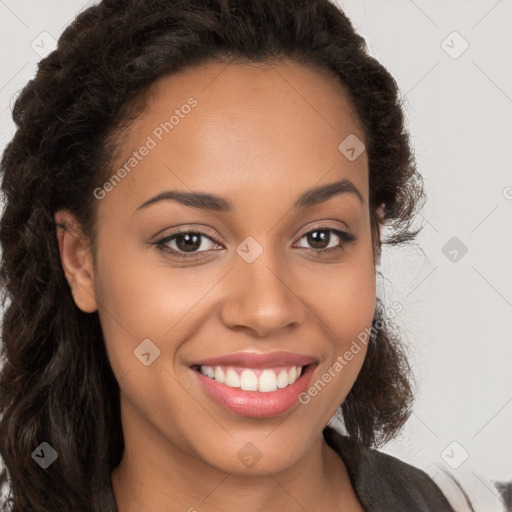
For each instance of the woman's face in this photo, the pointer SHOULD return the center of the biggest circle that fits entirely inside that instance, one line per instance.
(258, 138)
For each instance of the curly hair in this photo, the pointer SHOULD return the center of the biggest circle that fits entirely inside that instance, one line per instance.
(56, 383)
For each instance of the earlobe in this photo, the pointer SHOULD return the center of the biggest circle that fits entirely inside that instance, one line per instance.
(76, 259)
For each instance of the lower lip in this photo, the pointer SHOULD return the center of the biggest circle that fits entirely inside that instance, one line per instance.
(256, 404)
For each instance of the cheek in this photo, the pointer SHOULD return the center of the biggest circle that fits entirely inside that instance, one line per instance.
(142, 290)
(344, 301)
(143, 311)
(354, 320)
(353, 304)
(142, 297)
(343, 296)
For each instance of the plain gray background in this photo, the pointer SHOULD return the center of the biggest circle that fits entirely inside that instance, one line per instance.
(452, 62)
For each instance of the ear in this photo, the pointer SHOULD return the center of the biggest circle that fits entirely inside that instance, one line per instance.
(76, 259)
(381, 216)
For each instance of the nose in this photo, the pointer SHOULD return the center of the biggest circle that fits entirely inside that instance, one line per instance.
(262, 298)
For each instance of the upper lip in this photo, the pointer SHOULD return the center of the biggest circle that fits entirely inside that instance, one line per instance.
(257, 360)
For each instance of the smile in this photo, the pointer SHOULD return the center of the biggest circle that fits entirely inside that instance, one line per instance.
(248, 379)
(277, 390)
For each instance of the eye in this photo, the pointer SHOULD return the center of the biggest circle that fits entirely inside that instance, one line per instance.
(321, 239)
(185, 244)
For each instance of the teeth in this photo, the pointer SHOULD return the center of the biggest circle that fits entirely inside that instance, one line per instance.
(218, 375)
(292, 375)
(232, 378)
(267, 381)
(249, 381)
(208, 371)
(264, 381)
(282, 379)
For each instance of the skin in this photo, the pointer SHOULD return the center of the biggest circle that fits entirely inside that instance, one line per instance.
(259, 136)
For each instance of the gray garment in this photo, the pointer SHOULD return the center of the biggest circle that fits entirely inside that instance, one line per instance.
(384, 483)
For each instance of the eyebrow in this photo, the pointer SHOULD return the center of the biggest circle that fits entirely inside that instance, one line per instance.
(206, 201)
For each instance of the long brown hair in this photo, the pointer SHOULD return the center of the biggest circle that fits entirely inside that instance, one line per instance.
(56, 384)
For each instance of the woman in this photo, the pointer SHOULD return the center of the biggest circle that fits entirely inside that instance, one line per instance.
(194, 200)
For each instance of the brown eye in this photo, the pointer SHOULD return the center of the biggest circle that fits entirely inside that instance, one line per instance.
(184, 244)
(323, 239)
(188, 242)
(318, 239)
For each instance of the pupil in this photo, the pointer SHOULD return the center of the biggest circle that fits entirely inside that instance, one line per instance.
(191, 242)
(317, 239)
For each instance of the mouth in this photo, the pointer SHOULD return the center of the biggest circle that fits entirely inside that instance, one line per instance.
(255, 386)
(262, 380)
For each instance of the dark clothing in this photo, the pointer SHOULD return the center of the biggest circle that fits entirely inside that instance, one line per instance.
(384, 483)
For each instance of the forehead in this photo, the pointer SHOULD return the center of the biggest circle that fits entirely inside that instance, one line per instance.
(263, 128)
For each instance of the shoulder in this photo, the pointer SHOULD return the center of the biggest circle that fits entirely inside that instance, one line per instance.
(383, 482)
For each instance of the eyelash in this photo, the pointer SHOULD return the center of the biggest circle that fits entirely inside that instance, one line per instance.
(347, 238)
